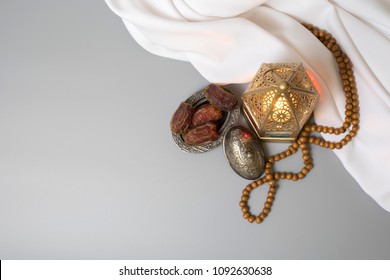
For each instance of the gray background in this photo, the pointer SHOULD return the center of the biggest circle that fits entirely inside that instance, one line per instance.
(88, 168)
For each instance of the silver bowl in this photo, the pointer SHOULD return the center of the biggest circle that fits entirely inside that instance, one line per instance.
(228, 120)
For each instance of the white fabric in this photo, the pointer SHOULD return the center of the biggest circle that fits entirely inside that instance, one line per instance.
(227, 41)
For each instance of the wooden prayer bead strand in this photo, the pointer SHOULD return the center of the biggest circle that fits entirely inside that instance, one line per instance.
(352, 118)
(349, 87)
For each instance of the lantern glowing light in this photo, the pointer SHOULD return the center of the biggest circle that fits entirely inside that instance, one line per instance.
(279, 101)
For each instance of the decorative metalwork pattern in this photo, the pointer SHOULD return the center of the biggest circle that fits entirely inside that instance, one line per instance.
(244, 152)
(279, 100)
(228, 120)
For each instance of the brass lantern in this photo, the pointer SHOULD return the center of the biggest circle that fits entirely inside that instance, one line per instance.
(279, 101)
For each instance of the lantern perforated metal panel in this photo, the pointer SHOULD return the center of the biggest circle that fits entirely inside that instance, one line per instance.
(279, 101)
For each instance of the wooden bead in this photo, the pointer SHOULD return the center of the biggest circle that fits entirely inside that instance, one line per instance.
(355, 116)
(304, 170)
(262, 215)
(254, 185)
(244, 198)
(251, 219)
(326, 145)
(245, 192)
(337, 53)
(270, 199)
(335, 48)
(249, 188)
(272, 190)
(245, 209)
(347, 88)
(260, 182)
(271, 194)
(267, 205)
(272, 183)
(304, 133)
(243, 203)
(246, 215)
(306, 157)
(303, 139)
(355, 128)
(259, 220)
(266, 211)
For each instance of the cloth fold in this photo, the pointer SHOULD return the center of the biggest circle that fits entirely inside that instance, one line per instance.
(227, 41)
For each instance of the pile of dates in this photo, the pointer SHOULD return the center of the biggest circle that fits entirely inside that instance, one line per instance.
(198, 126)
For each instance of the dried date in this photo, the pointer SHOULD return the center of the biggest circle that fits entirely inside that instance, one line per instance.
(220, 97)
(201, 134)
(206, 113)
(182, 118)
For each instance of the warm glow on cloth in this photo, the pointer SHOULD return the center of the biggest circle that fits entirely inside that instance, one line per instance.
(227, 41)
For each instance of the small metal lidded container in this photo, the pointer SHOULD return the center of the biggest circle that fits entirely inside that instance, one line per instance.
(279, 101)
(244, 152)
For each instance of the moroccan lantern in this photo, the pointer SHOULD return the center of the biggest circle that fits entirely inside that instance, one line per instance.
(279, 101)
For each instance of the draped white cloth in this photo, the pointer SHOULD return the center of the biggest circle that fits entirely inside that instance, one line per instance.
(227, 41)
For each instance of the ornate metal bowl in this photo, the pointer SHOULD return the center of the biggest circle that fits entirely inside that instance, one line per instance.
(228, 120)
